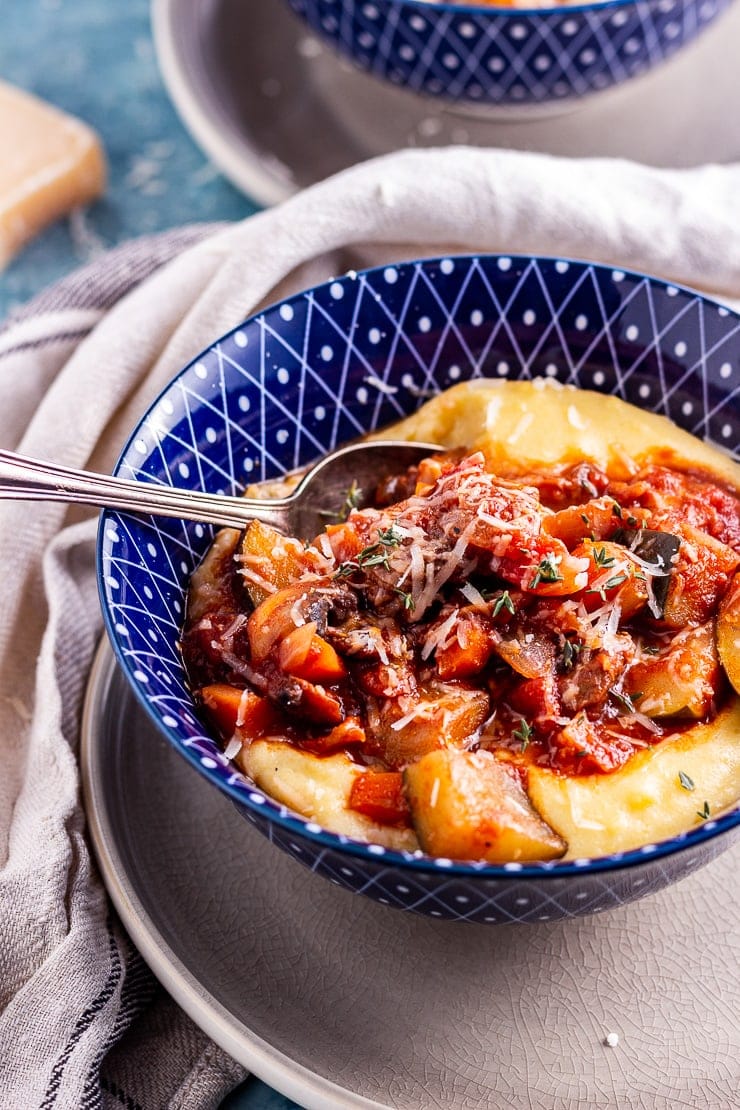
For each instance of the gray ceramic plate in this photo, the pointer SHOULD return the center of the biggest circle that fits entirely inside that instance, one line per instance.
(276, 111)
(339, 1002)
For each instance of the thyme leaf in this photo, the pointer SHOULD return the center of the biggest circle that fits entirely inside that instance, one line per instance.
(623, 698)
(372, 557)
(615, 580)
(547, 571)
(569, 655)
(523, 734)
(406, 598)
(504, 602)
(390, 537)
(686, 782)
(602, 559)
(610, 584)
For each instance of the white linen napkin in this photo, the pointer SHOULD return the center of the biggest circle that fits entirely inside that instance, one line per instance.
(81, 1021)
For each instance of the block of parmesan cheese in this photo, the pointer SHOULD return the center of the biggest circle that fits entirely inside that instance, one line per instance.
(51, 163)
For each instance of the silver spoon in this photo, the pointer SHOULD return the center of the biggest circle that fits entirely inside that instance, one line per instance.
(319, 495)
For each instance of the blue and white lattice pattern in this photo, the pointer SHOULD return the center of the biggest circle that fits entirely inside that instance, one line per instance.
(507, 56)
(356, 354)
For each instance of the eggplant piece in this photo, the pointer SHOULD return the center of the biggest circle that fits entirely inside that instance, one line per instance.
(468, 805)
(658, 548)
(448, 715)
(684, 680)
(700, 577)
(728, 632)
(530, 655)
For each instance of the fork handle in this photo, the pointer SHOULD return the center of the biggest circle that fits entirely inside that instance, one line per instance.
(26, 479)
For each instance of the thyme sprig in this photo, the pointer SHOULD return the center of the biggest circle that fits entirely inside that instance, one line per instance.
(610, 584)
(602, 559)
(375, 555)
(547, 571)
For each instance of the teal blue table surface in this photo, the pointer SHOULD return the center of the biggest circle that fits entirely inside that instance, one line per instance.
(95, 58)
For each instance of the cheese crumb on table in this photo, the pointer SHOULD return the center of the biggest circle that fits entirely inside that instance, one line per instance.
(52, 163)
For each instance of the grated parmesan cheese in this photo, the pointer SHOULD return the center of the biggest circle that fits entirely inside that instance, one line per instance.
(296, 615)
(437, 638)
(233, 748)
(474, 596)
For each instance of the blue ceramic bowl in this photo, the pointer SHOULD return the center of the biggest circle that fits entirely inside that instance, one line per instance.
(297, 380)
(507, 56)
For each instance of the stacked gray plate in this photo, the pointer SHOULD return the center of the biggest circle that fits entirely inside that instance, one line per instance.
(276, 110)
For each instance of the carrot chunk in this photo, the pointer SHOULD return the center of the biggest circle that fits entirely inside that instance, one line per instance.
(235, 710)
(305, 654)
(379, 795)
(468, 652)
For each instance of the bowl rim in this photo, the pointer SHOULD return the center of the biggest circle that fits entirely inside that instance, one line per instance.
(556, 9)
(251, 797)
